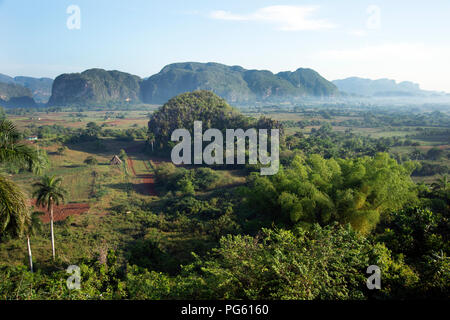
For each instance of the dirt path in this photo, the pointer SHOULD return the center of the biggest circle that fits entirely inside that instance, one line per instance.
(147, 185)
(131, 165)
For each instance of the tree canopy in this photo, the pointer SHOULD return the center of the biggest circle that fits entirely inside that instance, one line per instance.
(313, 189)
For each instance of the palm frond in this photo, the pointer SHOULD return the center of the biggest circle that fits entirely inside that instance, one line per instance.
(13, 208)
(12, 151)
(49, 191)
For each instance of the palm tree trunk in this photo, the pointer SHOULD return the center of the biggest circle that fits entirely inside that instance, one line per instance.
(51, 229)
(30, 256)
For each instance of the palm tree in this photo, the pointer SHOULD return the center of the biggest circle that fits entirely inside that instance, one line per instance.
(13, 205)
(33, 226)
(441, 183)
(11, 150)
(13, 208)
(42, 163)
(48, 193)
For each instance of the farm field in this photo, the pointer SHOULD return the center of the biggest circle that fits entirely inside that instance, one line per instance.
(112, 119)
(94, 189)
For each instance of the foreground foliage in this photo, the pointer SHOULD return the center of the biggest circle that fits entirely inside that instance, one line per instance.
(324, 263)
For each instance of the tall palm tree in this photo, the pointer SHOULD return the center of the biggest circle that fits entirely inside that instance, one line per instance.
(48, 193)
(33, 226)
(13, 205)
(441, 183)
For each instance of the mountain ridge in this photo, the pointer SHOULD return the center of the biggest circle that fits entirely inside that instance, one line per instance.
(383, 87)
(234, 83)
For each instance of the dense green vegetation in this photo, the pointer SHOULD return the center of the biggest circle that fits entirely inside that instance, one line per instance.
(342, 200)
(330, 143)
(182, 110)
(314, 190)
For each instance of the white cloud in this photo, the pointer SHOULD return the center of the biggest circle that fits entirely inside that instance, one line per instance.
(287, 18)
(358, 33)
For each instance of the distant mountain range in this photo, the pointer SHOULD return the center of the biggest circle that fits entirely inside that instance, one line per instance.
(233, 83)
(14, 95)
(40, 89)
(380, 88)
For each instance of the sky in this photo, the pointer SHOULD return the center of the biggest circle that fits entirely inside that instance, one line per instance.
(395, 39)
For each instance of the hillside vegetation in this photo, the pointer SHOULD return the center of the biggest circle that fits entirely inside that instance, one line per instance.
(235, 84)
(95, 86)
(205, 106)
(14, 95)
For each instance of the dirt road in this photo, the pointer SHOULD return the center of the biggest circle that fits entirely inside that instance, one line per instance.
(147, 185)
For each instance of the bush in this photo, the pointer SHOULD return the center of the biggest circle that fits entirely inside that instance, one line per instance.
(91, 161)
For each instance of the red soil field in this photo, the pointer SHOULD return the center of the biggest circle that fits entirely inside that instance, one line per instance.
(61, 212)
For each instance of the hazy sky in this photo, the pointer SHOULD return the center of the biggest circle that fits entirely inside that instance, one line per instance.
(401, 40)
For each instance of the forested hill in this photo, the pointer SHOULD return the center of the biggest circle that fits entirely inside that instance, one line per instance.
(13, 95)
(95, 86)
(214, 112)
(234, 83)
